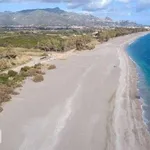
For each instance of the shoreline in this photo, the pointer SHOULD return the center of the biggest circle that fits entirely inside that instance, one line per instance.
(127, 120)
(135, 67)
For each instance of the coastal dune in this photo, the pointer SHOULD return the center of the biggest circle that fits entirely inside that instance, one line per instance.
(88, 103)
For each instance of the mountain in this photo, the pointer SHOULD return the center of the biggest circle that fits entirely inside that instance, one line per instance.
(127, 23)
(108, 19)
(55, 17)
(51, 10)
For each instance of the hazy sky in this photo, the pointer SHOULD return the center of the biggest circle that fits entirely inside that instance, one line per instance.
(136, 10)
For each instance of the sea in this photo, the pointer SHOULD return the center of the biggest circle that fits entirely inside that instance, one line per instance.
(139, 51)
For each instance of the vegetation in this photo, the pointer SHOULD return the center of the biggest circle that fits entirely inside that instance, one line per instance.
(51, 67)
(11, 80)
(105, 35)
(66, 43)
(38, 78)
(53, 41)
(12, 73)
(17, 47)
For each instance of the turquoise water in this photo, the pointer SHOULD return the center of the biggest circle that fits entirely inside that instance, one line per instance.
(139, 51)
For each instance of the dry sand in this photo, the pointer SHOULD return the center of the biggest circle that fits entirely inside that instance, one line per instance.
(87, 103)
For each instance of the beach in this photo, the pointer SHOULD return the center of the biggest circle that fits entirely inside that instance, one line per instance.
(89, 102)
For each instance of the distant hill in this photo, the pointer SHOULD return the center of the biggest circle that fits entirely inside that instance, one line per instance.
(55, 17)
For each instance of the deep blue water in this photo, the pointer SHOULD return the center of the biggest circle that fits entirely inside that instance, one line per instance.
(139, 51)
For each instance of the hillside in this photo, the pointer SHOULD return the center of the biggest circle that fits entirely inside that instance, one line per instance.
(55, 17)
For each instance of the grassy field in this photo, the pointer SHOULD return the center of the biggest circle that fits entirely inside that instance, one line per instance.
(55, 41)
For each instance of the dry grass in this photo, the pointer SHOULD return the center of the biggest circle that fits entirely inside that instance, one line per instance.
(51, 67)
(90, 46)
(34, 71)
(6, 63)
(5, 92)
(1, 109)
(12, 80)
(38, 78)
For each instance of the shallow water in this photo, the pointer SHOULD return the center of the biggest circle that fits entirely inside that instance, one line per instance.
(139, 51)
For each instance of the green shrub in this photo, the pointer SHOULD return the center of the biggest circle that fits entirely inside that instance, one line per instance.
(3, 78)
(12, 73)
(25, 69)
(18, 79)
(38, 66)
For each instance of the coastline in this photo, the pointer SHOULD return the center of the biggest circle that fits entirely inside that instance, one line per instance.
(128, 126)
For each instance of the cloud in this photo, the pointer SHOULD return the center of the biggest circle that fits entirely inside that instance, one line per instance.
(94, 5)
(97, 5)
(89, 5)
(143, 5)
(124, 1)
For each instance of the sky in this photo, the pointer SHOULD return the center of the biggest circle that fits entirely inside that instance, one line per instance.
(133, 10)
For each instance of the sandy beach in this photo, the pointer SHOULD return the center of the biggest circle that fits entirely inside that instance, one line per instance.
(88, 103)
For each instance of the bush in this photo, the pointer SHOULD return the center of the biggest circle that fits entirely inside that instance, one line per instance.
(38, 78)
(32, 72)
(1, 109)
(5, 92)
(38, 66)
(23, 73)
(90, 46)
(3, 78)
(51, 67)
(12, 80)
(44, 54)
(4, 64)
(25, 69)
(40, 72)
(79, 44)
(12, 73)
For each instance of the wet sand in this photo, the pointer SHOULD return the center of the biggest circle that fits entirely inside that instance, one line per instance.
(87, 103)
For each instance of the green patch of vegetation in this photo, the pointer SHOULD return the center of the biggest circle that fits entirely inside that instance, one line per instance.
(11, 80)
(25, 69)
(105, 35)
(58, 41)
(12, 73)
